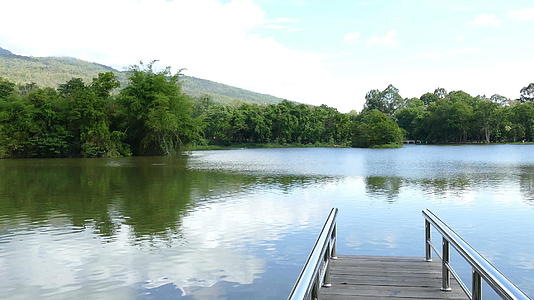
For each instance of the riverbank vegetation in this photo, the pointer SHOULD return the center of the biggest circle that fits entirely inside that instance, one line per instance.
(152, 116)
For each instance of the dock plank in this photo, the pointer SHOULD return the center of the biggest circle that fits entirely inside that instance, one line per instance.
(383, 277)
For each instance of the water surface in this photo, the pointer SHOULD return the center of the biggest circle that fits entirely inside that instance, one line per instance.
(238, 224)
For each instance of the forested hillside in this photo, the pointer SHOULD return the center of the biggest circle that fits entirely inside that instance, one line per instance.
(151, 115)
(53, 71)
(224, 94)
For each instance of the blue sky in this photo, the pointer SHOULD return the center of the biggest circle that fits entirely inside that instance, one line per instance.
(311, 51)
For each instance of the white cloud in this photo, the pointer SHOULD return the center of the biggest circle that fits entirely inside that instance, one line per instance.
(283, 27)
(500, 78)
(460, 38)
(225, 42)
(285, 24)
(388, 40)
(351, 37)
(285, 20)
(437, 55)
(487, 20)
(212, 40)
(211, 256)
(526, 14)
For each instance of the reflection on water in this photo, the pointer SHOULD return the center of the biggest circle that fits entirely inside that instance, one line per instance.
(526, 182)
(239, 224)
(387, 186)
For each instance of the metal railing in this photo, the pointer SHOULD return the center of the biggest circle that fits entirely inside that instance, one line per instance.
(316, 271)
(481, 268)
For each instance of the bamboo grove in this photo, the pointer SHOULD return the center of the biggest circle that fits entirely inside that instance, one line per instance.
(152, 116)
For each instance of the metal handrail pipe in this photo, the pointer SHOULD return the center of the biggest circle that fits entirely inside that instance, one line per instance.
(309, 273)
(435, 250)
(461, 283)
(502, 285)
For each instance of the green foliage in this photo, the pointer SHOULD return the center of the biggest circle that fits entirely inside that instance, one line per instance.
(283, 123)
(6, 89)
(224, 94)
(72, 121)
(412, 120)
(387, 101)
(457, 117)
(158, 114)
(428, 98)
(374, 128)
(50, 71)
(152, 114)
(527, 93)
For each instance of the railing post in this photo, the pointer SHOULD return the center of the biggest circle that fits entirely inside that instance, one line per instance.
(315, 289)
(327, 282)
(334, 242)
(445, 274)
(476, 288)
(428, 251)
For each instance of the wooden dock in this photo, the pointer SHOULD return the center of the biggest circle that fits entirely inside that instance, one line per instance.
(385, 277)
(327, 275)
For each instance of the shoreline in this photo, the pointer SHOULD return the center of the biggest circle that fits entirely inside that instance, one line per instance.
(282, 146)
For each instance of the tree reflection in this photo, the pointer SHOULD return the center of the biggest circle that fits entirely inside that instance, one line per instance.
(149, 194)
(451, 184)
(383, 186)
(526, 183)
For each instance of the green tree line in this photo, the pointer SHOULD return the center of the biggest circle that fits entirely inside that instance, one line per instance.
(457, 117)
(152, 116)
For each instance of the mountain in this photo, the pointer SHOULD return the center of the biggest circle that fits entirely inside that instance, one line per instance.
(5, 52)
(52, 71)
(223, 93)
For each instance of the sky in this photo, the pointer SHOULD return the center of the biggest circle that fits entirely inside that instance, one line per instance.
(310, 51)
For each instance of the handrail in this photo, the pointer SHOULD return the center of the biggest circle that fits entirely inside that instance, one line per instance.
(316, 271)
(481, 268)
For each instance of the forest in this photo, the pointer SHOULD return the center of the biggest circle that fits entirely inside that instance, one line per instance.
(152, 116)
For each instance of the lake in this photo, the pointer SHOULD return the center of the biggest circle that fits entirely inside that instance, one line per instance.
(239, 224)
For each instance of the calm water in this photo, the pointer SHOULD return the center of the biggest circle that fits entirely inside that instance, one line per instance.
(238, 224)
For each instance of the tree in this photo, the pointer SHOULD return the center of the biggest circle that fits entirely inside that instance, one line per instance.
(375, 128)
(500, 100)
(428, 98)
(527, 93)
(486, 113)
(523, 114)
(51, 137)
(16, 127)
(88, 117)
(285, 122)
(373, 100)
(104, 84)
(158, 114)
(411, 119)
(441, 93)
(387, 101)
(449, 119)
(6, 88)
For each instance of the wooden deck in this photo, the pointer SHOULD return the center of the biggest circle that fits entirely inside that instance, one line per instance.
(384, 277)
